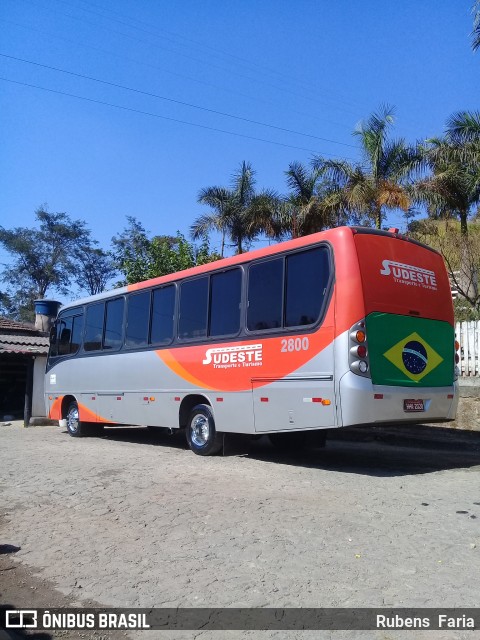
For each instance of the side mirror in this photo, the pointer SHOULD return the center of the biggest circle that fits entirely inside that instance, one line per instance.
(53, 334)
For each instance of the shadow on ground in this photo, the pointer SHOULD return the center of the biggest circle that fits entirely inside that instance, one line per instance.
(377, 451)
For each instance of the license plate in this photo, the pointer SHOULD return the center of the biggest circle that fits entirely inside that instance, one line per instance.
(411, 406)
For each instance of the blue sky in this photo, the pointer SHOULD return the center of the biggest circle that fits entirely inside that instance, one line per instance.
(314, 67)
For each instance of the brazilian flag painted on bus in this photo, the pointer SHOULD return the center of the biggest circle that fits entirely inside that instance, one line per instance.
(409, 351)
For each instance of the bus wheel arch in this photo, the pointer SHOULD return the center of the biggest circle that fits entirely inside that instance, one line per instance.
(187, 405)
(202, 436)
(66, 402)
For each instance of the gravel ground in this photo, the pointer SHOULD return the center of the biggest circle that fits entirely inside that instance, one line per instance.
(135, 519)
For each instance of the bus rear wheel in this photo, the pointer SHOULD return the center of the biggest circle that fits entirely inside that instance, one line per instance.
(202, 437)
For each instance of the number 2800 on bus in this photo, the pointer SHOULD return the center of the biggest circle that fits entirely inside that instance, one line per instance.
(350, 326)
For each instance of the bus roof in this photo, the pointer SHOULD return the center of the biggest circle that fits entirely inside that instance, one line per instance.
(329, 235)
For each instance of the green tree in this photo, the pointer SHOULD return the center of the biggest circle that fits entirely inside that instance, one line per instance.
(170, 254)
(139, 257)
(130, 252)
(95, 269)
(461, 255)
(44, 258)
(238, 213)
(379, 182)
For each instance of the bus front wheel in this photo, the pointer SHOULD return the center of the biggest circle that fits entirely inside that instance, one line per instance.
(79, 429)
(74, 426)
(202, 437)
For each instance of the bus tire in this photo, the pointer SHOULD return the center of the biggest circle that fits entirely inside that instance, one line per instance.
(79, 429)
(75, 428)
(202, 437)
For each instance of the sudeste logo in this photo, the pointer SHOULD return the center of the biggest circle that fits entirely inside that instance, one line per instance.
(409, 274)
(248, 355)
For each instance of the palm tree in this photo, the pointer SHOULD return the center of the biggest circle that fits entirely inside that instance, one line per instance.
(452, 190)
(238, 212)
(463, 127)
(476, 25)
(379, 181)
(220, 200)
(453, 187)
(313, 204)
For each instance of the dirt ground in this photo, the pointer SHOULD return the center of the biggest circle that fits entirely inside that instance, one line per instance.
(135, 519)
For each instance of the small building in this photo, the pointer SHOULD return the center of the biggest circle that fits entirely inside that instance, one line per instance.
(23, 356)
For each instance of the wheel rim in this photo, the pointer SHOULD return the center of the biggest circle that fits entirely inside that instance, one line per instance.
(200, 430)
(72, 419)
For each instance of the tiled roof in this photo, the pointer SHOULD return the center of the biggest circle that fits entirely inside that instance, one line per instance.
(18, 337)
(36, 345)
(12, 325)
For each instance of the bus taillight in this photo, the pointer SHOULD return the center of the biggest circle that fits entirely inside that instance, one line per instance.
(360, 336)
(358, 351)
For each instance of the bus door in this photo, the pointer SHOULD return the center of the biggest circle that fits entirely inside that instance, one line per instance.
(303, 398)
(294, 403)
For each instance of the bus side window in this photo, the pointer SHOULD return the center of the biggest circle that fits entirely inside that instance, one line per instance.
(265, 293)
(193, 309)
(113, 336)
(64, 337)
(163, 308)
(68, 335)
(225, 297)
(138, 317)
(53, 351)
(76, 336)
(94, 327)
(307, 274)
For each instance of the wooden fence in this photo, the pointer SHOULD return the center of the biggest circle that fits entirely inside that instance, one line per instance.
(468, 335)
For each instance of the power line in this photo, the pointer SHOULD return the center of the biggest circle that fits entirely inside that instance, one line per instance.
(157, 68)
(175, 37)
(307, 96)
(185, 104)
(156, 115)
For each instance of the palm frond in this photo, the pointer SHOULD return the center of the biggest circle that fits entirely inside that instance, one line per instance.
(243, 182)
(463, 126)
(372, 134)
(301, 181)
(204, 224)
(476, 25)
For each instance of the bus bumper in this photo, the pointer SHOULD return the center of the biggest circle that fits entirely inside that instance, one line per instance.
(362, 402)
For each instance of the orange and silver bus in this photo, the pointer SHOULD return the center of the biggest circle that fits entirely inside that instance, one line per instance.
(350, 326)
